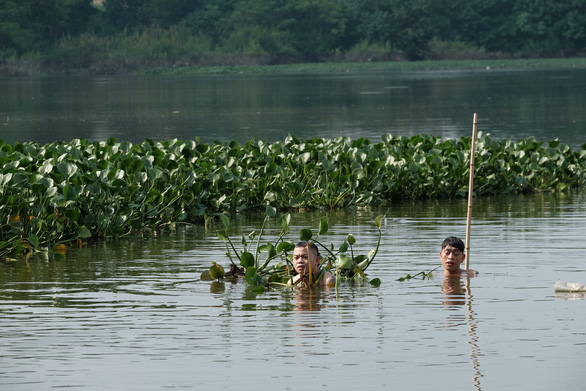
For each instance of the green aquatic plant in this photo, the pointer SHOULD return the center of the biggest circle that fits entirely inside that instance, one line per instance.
(424, 275)
(259, 276)
(72, 191)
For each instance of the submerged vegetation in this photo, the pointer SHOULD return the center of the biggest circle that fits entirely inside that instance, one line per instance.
(65, 192)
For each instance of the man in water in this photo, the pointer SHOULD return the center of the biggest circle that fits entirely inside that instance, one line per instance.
(303, 261)
(452, 256)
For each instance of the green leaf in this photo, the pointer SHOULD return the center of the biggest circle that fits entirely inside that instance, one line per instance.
(285, 246)
(67, 169)
(33, 240)
(45, 168)
(83, 232)
(247, 260)
(295, 202)
(343, 262)
(222, 234)
(272, 251)
(375, 282)
(323, 227)
(259, 289)
(305, 234)
(225, 220)
(69, 193)
(284, 220)
(270, 211)
(379, 221)
(344, 247)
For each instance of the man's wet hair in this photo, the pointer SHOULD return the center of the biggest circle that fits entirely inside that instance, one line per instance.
(312, 246)
(454, 242)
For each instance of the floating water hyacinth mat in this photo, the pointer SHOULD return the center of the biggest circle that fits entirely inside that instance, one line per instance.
(70, 191)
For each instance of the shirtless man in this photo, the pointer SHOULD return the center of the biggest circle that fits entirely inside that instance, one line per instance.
(302, 261)
(452, 256)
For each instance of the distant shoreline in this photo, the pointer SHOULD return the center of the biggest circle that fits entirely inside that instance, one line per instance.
(32, 68)
(390, 66)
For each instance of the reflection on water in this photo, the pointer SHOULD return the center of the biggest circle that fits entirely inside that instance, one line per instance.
(569, 295)
(511, 105)
(134, 314)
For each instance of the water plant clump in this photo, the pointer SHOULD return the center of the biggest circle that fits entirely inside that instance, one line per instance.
(68, 192)
(263, 265)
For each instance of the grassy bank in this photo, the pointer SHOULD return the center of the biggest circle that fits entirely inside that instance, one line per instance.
(62, 192)
(384, 66)
(232, 64)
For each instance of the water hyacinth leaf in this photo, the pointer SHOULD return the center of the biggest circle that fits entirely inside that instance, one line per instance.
(343, 262)
(375, 282)
(225, 220)
(351, 240)
(5, 178)
(222, 235)
(45, 168)
(284, 220)
(305, 234)
(83, 232)
(272, 251)
(259, 289)
(285, 246)
(72, 214)
(295, 202)
(67, 169)
(344, 247)
(361, 260)
(253, 278)
(33, 240)
(270, 211)
(19, 178)
(378, 221)
(154, 173)
(323, 227)
(247, 259)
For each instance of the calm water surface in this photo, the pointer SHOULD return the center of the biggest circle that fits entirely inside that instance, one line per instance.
(511, 105)
(135, 315)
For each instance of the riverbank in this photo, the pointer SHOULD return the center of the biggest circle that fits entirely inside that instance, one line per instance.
(379, 66)
(31, 67)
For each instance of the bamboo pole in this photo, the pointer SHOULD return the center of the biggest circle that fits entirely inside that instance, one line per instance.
(308, 246)
(470, 190)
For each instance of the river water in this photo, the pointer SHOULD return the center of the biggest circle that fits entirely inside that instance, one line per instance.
(510, 104)
(134, 314)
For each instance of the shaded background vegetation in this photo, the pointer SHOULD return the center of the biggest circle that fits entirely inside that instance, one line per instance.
(110, 35)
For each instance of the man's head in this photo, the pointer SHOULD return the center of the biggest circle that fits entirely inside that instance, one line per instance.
(452, 255)
(302, 260)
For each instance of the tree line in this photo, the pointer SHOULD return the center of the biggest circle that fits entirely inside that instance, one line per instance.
(78, 31)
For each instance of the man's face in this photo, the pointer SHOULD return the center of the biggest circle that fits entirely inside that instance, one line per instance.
(301, 260)
(452, 258)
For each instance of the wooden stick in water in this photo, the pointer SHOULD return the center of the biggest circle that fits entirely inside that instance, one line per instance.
(308, 246)
(470, 190)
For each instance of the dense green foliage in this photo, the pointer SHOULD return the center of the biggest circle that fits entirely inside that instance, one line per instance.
(86, 33)
(67, 190)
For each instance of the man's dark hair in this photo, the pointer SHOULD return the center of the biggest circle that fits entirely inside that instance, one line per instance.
(312, 246)
(454, 242)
